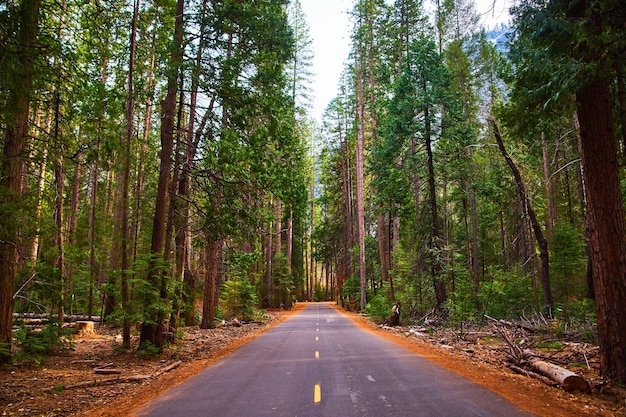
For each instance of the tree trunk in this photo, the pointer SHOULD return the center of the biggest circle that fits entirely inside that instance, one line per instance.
(152, 327)
(12, 164)
(210, 285)
(59, 230)
(605, 214)
(541, 240)
(360, 199)
(435, 236)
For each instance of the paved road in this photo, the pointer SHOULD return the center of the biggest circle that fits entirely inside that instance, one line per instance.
(319, 363)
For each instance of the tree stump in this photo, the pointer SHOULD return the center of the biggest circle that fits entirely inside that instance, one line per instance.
(85, 327)
(394, 319)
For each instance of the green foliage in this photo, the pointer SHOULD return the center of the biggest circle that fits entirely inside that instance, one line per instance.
(568, 262)
(38, 343)
(352, 287)
(507, 294)
(238, 299)
(464, 305)
(148, 349)
(378, 307)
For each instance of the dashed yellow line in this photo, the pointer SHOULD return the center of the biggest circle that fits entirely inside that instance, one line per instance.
(317, 355)
(317, 395)
(317, 338)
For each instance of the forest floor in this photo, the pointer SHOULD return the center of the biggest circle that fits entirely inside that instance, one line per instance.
(65, 385)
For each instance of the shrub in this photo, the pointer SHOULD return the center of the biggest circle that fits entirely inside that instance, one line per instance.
(48, 341)
(238, 299)
(379, 307)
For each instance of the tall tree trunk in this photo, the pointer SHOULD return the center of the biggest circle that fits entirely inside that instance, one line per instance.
(606, 217)
(360, 198)
(93, 209)
(210, 286)
(435, 235)
(541, 240)
(41, 182)
(152, 327)
(183, 227)
(59, 230)
(12, 164)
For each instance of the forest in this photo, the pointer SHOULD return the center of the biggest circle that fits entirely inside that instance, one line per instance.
(160, 165)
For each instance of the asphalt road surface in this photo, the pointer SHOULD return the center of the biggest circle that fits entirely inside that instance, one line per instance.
(319, 363)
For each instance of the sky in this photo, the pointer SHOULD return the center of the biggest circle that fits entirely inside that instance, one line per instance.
(330, 27)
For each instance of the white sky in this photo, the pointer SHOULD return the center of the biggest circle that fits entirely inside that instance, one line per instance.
(330, 27)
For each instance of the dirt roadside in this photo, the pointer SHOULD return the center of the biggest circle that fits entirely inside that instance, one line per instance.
(42, 390)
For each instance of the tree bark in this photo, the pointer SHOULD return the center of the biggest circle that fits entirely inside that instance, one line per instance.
(12, 164)
(360, 199)
(435, 235)
(607, 228)
(210, 285)
(59, 223)
(541, 240)
(152, 327)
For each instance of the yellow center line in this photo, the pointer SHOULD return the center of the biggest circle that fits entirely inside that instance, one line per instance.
(317, 355)
(317, 395)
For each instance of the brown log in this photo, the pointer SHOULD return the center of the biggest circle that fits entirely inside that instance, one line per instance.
(531, 374)
(570, 381)
(106, 371)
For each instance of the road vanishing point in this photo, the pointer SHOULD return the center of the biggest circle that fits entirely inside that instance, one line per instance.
(320, 363)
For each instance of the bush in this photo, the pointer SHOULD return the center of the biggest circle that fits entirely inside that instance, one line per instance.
(379, 308)
(45, 342)
(238, 300)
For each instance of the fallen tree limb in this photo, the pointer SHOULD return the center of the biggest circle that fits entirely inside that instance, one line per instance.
(166, 369)
(109, 381)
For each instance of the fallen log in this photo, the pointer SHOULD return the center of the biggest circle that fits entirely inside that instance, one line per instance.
(100, 382)
(531, 374)
(570, 381)
(106, 371)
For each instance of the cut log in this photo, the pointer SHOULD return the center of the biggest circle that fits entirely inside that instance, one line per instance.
(85, 327)
(531, 374)
(570, 381)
